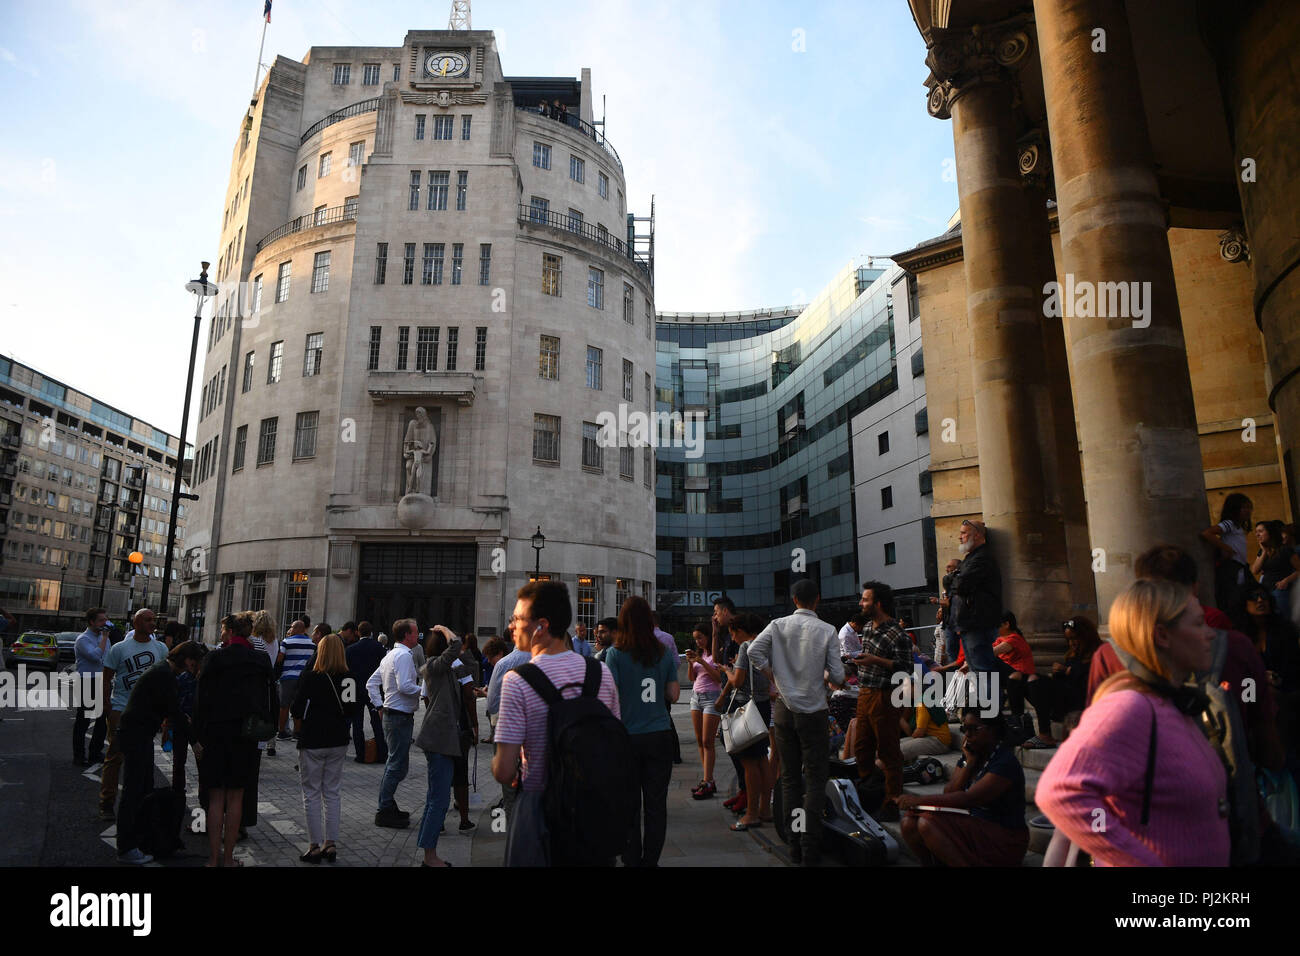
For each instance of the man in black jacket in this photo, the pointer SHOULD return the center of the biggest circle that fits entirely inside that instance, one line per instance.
(363, 657)
(977, 598)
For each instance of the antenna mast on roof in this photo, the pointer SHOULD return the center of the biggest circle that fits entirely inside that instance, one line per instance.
(459, 19)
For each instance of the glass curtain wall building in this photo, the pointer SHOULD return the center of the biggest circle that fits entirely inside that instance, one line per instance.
(767, 497)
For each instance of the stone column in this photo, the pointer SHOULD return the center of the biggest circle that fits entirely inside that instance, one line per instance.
(1143, 476)
(1257, 71)
(1013, 404)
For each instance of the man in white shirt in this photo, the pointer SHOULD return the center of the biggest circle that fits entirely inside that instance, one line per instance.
(851, 636)
(802, 652)
(394, 688)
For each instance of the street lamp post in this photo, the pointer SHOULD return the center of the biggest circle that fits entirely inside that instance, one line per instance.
(539, 542)
(135, 558)
(202, 290)
(63, 577)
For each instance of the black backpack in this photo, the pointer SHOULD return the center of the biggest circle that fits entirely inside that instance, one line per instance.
(159, 822)
(592, 791)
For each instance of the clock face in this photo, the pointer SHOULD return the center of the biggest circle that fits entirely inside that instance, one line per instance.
(446, 64)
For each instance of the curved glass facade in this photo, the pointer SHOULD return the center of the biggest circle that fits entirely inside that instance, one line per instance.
(767, 496)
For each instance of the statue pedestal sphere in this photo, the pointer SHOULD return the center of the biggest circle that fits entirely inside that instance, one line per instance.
(415, 511)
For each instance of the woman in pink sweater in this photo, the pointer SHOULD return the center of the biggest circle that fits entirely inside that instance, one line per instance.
(1098, 789)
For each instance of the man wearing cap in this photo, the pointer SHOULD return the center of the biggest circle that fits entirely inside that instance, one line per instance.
(976, 597)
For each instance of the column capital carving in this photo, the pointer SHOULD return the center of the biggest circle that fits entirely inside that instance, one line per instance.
(962, 59)
(1233, 246)
(1035, 158)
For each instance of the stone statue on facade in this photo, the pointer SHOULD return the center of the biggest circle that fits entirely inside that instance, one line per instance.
(418, 446)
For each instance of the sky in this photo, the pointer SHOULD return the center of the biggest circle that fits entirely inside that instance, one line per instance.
(779, 141)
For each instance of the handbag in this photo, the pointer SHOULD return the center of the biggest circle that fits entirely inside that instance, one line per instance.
(742, 727)
(260, 726)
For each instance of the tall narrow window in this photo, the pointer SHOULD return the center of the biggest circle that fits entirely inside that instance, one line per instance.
(431, 274)
(403, 344)
(462, 188)
(546, 438)
(480, 348)
(552, 267)
(626, 460)
(539, 209)
(413, 201)
(266, 441)
(241, 444)
(575, 220)
(250, 360)
(886, 497)
(442, 127)
(457, 261)
(419, 126)
(276, 365)
(408, 263)
(342, 74)
(313, 353)
(649, 318)
(453, 343)
(541, 155)
(302, 177)
(484, 263)
(324, 165)
(350, 205)
(548, 362)
(577, 169)
(591, 450)
(628, 303)
(257, 295)
(304, 435)
(627, 380)
(464, 126)
(356, 152)
(318, 215)
(320, 273)
(370, 74)
(595, 288)
(438, 181)
(282, 282)
(381, 262)
(372, 360)
(602, 187)
(426, 349)
(595, 358)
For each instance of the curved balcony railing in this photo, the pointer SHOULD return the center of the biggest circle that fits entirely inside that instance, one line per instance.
(322, 217)
(577, 124)
(356, 109)
(572, 224)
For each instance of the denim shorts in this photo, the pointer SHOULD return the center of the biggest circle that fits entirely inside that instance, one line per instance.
(705, 701)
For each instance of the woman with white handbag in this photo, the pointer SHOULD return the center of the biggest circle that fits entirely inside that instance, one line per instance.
(744, 726)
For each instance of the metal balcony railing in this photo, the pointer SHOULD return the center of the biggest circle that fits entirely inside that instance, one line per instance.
(575, 123)
(323, 217)
(356, 109)
(556, 220)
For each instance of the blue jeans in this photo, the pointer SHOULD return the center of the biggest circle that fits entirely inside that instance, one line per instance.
(436, 801)
(398, 730)
(951, 644)
(978, 644)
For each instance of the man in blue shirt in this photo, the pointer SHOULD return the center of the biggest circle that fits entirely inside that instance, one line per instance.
(499, 670)
(124, 663)
(91, 646)
(295, 651)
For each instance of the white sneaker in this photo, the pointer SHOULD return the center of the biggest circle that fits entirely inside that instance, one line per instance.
(136, 856)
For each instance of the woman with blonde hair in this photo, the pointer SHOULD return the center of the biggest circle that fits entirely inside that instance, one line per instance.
(1138, 760)
(325, 703)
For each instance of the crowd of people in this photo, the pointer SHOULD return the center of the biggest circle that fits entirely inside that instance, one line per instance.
(1132, 710)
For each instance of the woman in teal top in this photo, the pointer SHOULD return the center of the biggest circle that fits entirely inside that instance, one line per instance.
(646, 676)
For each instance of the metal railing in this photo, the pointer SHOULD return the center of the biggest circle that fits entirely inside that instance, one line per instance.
(322, 217)
(578, 125)
(556, 220)
(356, 109)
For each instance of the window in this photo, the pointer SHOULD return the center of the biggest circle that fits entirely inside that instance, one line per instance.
(342, 74)
(320, 272)
(464, 126)
(438, 180)
(546, 438)
(304, 435)
(419, 126)
(577, 169)
(295, 595)
(457, 261)
(250, 360)
(241, 442)
(552, 273)
(311, 359)
(588, 607)
(602, 234)
(922, 421)
(370, 74)
(891, 556)
(413, 202)
(622, 591)
(480, 348)
(602, 185)
(255, 590)
(266, 441)
(539, 209)
(626, 459)
(324, 165)
(431, 273)
(403, 344)
(408, 263)
(541, 155)
(462, 189)
(484, 263)
(397, 72)
(591, 450)
(628, 301)
(302, 177)
(257, 295)
(426, 349)
(886, 497)
(276, 365)
(355, 152)
(442, 126)
(453, 342)
(372, 361)
(282, 282)
(925, 483)
(595, 288)
(649, 318)
(882, 443)
(594, 359)
(575, 220)
(918, 363)
(350, 207)
(381, 262)
(627, 380)
(549, 357)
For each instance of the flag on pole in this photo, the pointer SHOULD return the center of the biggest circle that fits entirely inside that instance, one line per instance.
(266, 11)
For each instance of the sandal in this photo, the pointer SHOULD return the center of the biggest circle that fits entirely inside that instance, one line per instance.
(313, 855)
(1038, 743)
(740, 826)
